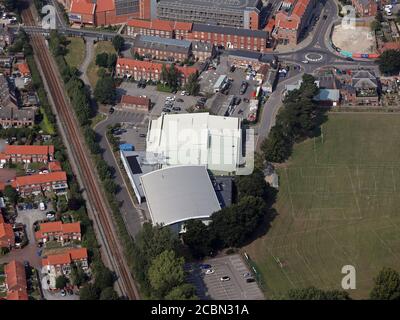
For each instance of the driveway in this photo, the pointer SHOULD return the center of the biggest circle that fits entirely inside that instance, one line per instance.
(132, 214)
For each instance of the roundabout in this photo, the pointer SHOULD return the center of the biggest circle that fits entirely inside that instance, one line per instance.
(314, 57)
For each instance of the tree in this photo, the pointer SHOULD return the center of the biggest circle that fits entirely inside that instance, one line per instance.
(11, 194)
(312, 293)
(89, 292)
(198, 238)
(375, 26)
(277, 147)
(109, 294)
(78, 276)
(183, 292)
(232, 225)
(112, 61)
(103, 277)
(192, 85)
(166, 272)
(104, 91)
(379, 16)
(61, 282)
(102, 59)
(118, 43)
(252, 185)
(389, 62)
(387, 285)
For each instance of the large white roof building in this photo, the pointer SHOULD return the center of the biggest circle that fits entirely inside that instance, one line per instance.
(180, 193)
(197, 139)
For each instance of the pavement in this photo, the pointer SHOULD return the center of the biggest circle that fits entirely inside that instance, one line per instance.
(210, 286)
(89, 54)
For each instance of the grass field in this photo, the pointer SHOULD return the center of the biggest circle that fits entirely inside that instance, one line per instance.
(101, 46)
(338, 204)
(76, 52)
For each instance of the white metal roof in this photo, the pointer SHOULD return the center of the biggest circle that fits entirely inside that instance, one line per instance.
(179, 193)
(197, 139)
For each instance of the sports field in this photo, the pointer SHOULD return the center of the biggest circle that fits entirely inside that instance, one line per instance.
(338, 204)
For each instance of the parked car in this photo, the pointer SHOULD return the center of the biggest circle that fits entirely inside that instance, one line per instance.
(142, 135)
(63, 294)
(210, 271)
(225, 278)
(111, 111)
(204, 266)
(176, 108)
(249, 280)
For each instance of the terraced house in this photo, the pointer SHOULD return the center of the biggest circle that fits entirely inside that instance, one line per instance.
(41, 183)
(58, 231)
(148, 70)
(27, 154)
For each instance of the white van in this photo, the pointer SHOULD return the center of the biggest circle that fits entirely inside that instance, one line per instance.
(42, 206)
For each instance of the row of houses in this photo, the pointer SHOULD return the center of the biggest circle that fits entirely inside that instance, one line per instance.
(27, 154)
(148, 70)
(217, 35)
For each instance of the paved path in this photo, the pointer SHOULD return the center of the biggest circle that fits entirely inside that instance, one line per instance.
(89, 54)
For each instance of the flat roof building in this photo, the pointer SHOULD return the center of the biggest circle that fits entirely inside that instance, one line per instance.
(178, 194)
(235, 13)
(197, 139)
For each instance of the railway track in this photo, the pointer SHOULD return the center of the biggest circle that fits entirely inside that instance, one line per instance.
(95, 197)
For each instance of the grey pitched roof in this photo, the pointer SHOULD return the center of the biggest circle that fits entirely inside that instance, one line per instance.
(159, 43)
(201, 27)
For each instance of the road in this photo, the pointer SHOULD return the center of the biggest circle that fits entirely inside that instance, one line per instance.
(97, 206)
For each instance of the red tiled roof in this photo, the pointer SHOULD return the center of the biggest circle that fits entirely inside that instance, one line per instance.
(135, 100)
(40, 178)
(6, 233)
(28, 150)
(17, 295)
(185, 26)
(15, 275)
(105, 5)
(57, 226)
(186, 71)
(55, 166)
(82, 7)
(139, 23)
(2, 186)
(23, 68)
(65, 258)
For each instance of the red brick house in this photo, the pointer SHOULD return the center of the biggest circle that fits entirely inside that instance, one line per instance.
(7, 238)
(135, 103)
(366, 8)
(38, 183)
(58, 231)
(147, 70)
(159, 28)
(61, 264)
(27, 154)
(16, 281)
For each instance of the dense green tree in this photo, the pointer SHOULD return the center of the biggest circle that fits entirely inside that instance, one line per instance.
(11, 194)
(108, 294)
(166, 272)
(103, 277)
(112, 61)
(118, 43)
(233, 225)
(387, 285)
(61, 282)
(312, 293)
(252, 185)
(198, 238)
(78, 276)
(193, 85)
(89, 292)
(278, 146)
(104, 91)
(102, 59)
(389, 62)
(183, 292)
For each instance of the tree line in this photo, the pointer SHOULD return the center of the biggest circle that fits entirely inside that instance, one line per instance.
(299, 119)
(104, 278)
